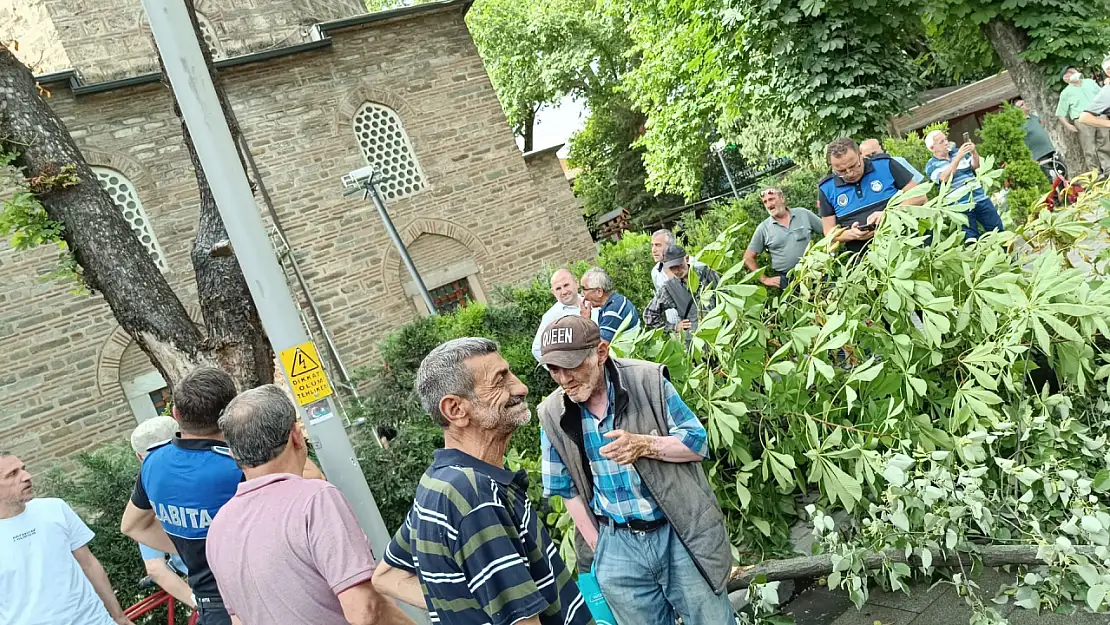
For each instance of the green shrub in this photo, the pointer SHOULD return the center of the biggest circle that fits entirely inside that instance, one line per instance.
(1003, 136)
(98, 490)
(911, 147)
(628, 262)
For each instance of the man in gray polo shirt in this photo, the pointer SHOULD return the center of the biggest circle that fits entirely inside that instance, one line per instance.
(785, 234)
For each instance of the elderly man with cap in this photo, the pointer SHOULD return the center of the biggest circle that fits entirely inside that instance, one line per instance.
(473, 549)
(786, 234)
(624, 452)
(164, 569)
(676, 306)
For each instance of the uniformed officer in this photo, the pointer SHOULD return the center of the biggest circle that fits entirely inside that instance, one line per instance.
(185, 481)
(857, 190)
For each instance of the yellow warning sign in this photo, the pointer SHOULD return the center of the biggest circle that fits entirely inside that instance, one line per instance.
(305, 375)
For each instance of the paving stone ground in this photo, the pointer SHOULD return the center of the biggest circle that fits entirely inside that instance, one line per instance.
(923, 606)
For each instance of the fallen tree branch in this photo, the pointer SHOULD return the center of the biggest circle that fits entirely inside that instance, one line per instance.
(819, 566)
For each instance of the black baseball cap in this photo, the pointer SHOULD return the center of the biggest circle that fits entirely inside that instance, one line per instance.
(673, 256)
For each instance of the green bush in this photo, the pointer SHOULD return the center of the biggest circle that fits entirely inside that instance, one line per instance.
(912, 147)
(98, 490)
(1003, 136)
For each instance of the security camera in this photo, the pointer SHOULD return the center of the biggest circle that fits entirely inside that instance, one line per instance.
(358, 178)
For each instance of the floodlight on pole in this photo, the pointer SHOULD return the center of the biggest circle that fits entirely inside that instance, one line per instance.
(719, 148)
(365, 180)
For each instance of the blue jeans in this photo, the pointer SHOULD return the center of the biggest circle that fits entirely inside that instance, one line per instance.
(986, 215)
(649, 578)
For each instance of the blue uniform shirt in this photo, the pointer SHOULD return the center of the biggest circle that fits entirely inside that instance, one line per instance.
(186, 482)
(852, 202)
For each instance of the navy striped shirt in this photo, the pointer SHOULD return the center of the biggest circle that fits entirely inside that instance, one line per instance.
(482, 557)
(616, 312)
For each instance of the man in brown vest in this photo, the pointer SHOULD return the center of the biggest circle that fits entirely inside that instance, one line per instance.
(624, 451)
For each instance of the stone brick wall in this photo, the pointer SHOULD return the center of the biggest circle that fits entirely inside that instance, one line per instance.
(26, 27)
(107, 39)
(507, 217)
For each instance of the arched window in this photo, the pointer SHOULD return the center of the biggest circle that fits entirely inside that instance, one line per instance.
(386, 146)
(123, 195)
(208, 34)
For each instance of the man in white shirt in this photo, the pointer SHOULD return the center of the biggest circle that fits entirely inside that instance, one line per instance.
(47, 573)
(661, 240)
(568, 301)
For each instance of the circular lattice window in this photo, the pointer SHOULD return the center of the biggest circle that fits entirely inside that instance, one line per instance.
(122, 192)
(386, 146)
(208, 34)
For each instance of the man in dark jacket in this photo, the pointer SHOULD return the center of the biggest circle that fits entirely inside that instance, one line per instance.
(676, 306)
(624, 452)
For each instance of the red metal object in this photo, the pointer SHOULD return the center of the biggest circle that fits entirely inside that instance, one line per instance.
(148, 604)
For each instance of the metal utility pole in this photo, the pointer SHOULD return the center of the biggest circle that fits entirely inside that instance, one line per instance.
(719, 148)
(368, 185)
(200, 108)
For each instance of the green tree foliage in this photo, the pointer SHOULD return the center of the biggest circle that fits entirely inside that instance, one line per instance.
(537, 52)
(794, 73)
(956, 53)
(609, 164)
(936, 437)
(912, 146)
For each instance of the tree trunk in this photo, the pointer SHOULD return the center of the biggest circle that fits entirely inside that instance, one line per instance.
(111, 257)
(528, 132)
(991, 556)
(1009, 42)
(236, 338)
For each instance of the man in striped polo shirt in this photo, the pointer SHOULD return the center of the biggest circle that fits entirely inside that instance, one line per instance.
(614, 311)
(472, 550)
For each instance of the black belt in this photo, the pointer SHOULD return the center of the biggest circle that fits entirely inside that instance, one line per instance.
(638, 525)
(210, 602)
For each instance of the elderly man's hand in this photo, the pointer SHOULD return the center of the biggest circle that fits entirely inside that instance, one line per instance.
(626, 447)
(585, 309)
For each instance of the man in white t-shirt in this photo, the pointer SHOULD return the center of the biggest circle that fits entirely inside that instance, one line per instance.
(47, 573)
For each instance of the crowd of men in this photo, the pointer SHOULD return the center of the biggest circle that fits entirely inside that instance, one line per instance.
(233, 519)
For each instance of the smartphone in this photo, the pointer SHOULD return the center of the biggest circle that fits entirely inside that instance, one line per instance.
(967, 138)
(868, 227)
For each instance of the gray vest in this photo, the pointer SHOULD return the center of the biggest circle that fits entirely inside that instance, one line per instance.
(682, 490)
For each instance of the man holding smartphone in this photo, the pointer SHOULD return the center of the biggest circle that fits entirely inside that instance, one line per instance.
(957, 166)
(855, 193)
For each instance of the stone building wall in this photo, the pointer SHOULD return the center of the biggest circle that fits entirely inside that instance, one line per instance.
(111, 39)
(486, 213)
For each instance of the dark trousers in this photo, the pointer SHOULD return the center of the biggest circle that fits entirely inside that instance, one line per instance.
(984, 214)
(212, 612)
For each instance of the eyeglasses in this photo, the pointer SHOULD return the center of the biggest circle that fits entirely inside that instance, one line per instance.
(855, 167)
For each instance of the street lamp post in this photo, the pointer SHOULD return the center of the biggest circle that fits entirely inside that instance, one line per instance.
(200, 108)
(719, 148)
(366, 181)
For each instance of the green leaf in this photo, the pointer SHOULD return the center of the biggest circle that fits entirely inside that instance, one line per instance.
(763, 526)
(899, 520)
(1096, 595)
(744, 494)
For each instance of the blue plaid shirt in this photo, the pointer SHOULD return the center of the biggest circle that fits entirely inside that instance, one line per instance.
(618, 491)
